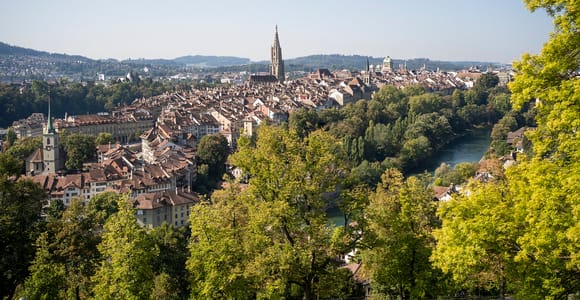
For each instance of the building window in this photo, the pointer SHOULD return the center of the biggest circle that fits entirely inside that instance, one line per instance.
(181, 222)
(144, 220)
(182, 215)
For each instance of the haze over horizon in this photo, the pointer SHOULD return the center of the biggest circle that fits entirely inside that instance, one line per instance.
(452, 30)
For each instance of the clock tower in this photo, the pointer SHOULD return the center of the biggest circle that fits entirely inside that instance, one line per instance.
(50, 147)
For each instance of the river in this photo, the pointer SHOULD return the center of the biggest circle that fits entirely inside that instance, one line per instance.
(468, 148)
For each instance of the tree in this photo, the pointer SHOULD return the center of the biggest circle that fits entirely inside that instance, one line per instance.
(425, 103)
(9, 139)
(69, 246)
(522, 235)
(401, 215)
(80, 148)
(170, 264)
(47, 279)
(288, 180)
(487, 81)
(9, 165)
(213, 150)
(220, 249)
(125, 271)
(415, 150)
(546, 186)
(20, 225)
(104, 138)
(478, 239)
(303, 121)
(23, 148)
(102, 206)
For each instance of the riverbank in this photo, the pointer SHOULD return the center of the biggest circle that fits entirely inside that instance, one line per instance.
(469, 147)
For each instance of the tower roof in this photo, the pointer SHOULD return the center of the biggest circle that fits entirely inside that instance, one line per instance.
(49, 127)
(276, 39)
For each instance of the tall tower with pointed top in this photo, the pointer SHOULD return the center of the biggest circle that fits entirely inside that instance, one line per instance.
(276, 62)
(50, 147)
(367, 75)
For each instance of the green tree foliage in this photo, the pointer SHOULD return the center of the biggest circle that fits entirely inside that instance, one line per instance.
(547, 204)
(74, 98)
(69, 246)
(169, 266)
(23, 148)
(468, 246)
(48, 278)
(20, 225)
(9, 139)
(272, 240)
(394, 101)
(501, 102)
(546, 186)
(551, 78)
(303, 121)
(486, 81)
(102, 206)
(462, 172)
(414, 150)
(104, 138)
(126, 270)
(425, 103)
(213, 151)
(9, 165)
(80, 148)
(401, 216)
(220, 249)
(522, 235)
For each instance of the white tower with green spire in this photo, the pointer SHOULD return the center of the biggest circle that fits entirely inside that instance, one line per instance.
(50, 147)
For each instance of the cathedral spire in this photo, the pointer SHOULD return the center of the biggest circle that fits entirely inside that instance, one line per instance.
(367, 65)
(276, 62)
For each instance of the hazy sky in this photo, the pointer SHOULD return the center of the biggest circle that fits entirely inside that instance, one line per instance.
(484, 30)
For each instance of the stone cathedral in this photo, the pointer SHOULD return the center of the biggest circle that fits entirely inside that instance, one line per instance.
(276, 62)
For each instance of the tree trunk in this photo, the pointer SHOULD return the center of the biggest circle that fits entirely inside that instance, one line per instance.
(308, 293)
(502, 288)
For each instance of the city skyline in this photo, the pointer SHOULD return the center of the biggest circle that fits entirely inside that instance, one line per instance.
(454, 30)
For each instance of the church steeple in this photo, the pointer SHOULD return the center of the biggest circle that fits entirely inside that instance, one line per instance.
(367, 67)
(51, 148)
(49, 127)
(367, 75)
(276, 62)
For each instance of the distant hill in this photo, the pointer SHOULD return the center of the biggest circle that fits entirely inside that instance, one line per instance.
(18, 63)
(197, 61)
(6, 49)
(358, 62)
(336, 62)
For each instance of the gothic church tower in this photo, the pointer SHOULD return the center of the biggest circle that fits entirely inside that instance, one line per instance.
(276, 62)
(50, 148)
(367, 76)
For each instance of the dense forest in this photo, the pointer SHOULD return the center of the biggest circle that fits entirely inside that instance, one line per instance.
(268, 236)
(74, 98)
